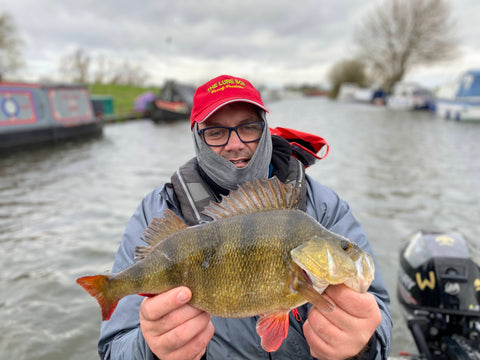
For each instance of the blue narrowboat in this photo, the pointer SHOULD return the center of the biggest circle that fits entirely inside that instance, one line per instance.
(32, 113)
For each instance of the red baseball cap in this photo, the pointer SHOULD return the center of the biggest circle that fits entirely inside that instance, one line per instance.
(221, 91)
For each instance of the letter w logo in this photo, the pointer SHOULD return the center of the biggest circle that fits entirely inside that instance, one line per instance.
(422, 284)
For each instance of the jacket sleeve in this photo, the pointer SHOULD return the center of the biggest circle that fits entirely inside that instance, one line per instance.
(120, 337)
(332, 212)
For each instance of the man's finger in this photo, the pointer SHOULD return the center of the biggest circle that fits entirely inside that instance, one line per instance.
(158, 306)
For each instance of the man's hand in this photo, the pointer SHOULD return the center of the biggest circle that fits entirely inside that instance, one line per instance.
(172, 328)
(344, 331)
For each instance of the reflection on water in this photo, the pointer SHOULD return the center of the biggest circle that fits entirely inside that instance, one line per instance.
(63, 209)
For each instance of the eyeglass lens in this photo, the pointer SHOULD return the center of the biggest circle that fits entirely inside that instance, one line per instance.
(219, 136)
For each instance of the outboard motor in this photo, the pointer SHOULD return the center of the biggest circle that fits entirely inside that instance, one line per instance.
(439, 290)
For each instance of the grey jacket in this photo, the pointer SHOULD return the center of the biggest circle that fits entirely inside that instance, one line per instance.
(121, 337)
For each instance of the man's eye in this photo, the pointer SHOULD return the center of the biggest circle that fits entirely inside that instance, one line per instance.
(214, 132)
(251, 128)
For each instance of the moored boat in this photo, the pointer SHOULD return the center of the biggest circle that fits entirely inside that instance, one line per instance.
(460, 100)
(410, 96)
(33, 113)
(174, 103)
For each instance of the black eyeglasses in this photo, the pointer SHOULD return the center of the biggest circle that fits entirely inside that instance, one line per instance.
(219, 135)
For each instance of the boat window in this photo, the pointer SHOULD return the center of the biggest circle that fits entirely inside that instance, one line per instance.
(470, 85)
(467, 82)
(475, 88)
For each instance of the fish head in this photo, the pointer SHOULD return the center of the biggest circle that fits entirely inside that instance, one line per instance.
(365, 268)
(325, 261)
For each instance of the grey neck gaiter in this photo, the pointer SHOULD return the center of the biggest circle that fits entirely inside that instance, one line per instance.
(223, 172)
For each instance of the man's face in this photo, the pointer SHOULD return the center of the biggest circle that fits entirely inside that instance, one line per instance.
(230, 115)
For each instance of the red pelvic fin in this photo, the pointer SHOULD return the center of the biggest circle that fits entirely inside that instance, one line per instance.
(273, 329)
(97, 286)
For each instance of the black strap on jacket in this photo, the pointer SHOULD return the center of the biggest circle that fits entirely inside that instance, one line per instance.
(194, 190)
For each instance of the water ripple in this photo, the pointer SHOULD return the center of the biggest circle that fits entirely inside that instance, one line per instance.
(63, 209)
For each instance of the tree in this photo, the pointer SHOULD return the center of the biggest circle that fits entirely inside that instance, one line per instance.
(102, 66)
(75, 66)
(128, 74)
(397, 35)
(10, 46)
(346, 71)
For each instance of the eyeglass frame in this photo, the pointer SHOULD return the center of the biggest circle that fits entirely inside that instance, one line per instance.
(201, 132)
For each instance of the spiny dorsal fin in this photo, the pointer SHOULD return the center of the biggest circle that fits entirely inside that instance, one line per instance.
(255, 196)
(157, 230)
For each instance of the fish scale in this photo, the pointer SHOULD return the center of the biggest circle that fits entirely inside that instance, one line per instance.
(243, 272)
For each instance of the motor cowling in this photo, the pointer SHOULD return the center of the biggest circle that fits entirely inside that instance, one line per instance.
(439, 290)
(438, 270)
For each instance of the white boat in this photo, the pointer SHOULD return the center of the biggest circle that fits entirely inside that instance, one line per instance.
(460, 100)
(349, 92)
(410, 96)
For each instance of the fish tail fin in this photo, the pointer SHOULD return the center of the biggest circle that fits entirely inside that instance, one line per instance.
(98, 287)
(273, 329)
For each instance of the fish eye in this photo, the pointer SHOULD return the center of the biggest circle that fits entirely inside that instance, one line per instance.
(346, 246)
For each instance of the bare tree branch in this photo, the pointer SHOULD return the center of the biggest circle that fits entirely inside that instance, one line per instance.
(397, 35)
(75, 67)
(10, 46)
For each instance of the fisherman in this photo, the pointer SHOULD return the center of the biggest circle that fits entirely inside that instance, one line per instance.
(233, 145)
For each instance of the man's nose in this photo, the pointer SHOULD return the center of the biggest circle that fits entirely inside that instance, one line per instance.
(234, 140)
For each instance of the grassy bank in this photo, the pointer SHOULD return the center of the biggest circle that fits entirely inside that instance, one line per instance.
(123, 95)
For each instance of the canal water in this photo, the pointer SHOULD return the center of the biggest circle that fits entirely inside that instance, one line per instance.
(63, 208)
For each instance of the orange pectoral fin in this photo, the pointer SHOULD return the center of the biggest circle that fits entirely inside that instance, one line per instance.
(273, 329)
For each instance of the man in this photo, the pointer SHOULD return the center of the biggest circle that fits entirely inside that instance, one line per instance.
(233, 145)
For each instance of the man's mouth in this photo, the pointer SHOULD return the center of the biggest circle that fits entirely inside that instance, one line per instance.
(240, 163)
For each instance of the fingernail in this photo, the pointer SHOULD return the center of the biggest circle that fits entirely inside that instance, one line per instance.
(182, 296)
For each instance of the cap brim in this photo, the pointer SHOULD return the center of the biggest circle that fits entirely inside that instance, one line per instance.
(207, 112)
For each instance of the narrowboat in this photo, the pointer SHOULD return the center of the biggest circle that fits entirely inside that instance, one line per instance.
(33, 113)
(174, 103)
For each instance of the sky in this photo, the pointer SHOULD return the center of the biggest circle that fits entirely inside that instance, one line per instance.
(272, 43)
